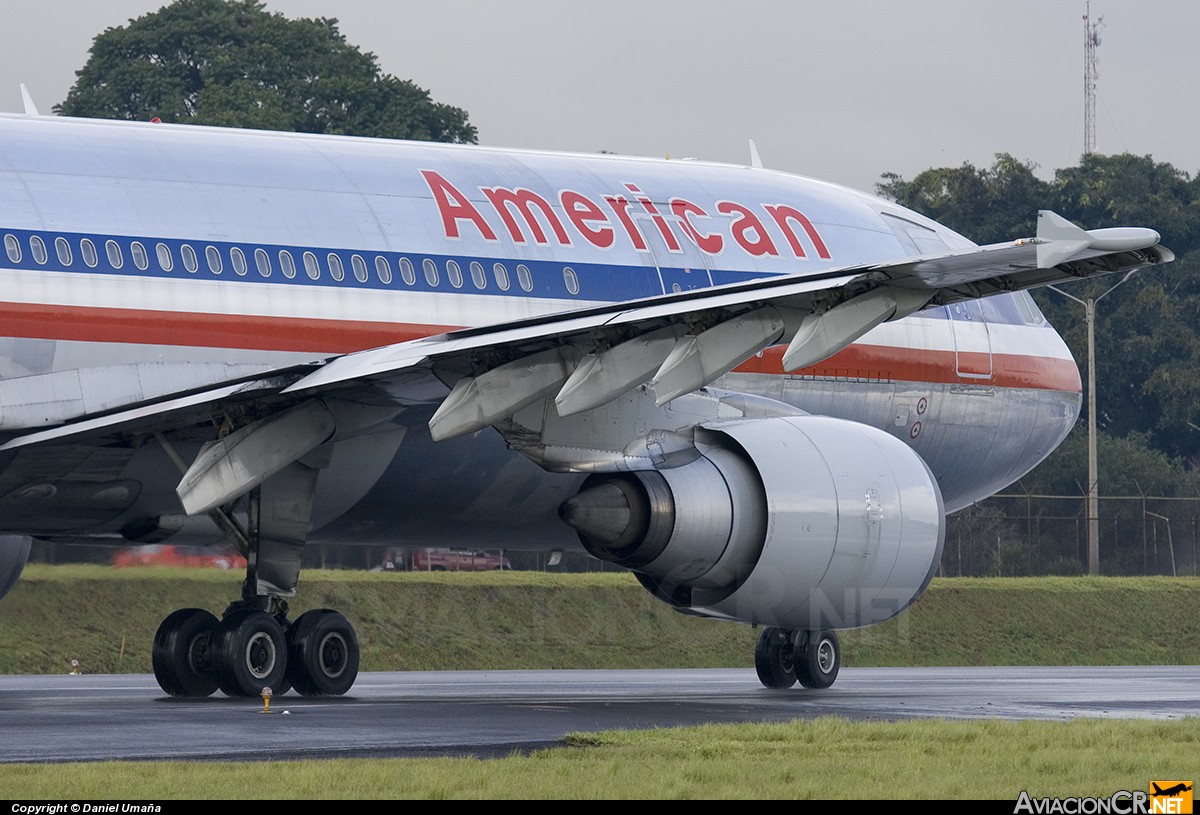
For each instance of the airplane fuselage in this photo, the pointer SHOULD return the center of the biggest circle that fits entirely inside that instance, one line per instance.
(188, 256)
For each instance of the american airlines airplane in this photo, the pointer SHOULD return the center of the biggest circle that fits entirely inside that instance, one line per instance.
(758, 392)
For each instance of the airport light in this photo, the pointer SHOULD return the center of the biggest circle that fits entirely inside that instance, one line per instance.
(1093, 497)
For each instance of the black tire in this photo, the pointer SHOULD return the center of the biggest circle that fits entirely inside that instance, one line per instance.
(818, 659)
(182, 653)
(323, 653)
(774, 654)
(251, 654)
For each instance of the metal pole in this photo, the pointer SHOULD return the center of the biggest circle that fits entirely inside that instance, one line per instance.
(1093, 497)
(1093, 500)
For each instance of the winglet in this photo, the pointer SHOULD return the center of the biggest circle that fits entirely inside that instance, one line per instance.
(27, 100)
(1059, 239)
(755, 160)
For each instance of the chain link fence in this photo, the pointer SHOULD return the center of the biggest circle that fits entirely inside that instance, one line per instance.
(1010, 535)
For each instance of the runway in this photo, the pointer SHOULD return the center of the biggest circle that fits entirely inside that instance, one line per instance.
(48, 719)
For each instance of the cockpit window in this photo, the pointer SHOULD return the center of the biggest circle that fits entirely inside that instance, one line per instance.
(917, 239)
(1030, 313)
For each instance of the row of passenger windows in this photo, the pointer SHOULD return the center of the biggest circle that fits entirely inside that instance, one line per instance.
(214, 261)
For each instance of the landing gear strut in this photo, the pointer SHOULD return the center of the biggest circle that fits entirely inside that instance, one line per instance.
(255, 646)
(782, 657)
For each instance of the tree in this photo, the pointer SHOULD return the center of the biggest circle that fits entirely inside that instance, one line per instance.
(987, 206)
(1148, 330)
(232, 63)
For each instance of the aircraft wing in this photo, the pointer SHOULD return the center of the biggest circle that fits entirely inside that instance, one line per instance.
(582, 359)
(687, 339)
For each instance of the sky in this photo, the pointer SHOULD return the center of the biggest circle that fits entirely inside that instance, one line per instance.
(842, 91)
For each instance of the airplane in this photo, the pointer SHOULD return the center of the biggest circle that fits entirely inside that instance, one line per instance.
(1171, 791)
(759, 393)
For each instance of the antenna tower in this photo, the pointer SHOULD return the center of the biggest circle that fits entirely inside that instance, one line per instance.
(1091, 40)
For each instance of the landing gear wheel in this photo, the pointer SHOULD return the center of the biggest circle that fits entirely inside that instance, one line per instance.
(323, 653)
(251, 654)
(182, 654)
(774, 658)
(818, 659)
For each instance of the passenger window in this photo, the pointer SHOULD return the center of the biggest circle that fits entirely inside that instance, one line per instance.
(287, 264)
(166, 261)
(311, 267)
(37, 247)
(262, 261)
(431, 272)
(407, 272)
(63, 249)
(140, 259)
(213, 255)
(190, 261)
(524, 277)
(360, 268)
(13, 247)
(454, 274)
(238, 258)
(500, 271)
(336, 270)
(571, 279)
(478, 277)
(115, 259)
(88, 250)
(383, 270)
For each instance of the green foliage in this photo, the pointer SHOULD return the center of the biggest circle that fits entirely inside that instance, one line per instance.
(1147, 329)
(232, 63)
(529, 620)
(986, 205)
(1126, 466)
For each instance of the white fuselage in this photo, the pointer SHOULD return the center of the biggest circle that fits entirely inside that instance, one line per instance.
(143, 259)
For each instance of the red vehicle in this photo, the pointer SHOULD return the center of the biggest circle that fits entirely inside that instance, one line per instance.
(167, 555)
(452, 560)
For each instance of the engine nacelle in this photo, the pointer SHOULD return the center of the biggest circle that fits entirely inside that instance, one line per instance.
(802, 522)
(14, 552)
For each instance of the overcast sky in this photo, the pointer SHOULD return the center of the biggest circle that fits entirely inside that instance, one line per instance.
(843, 91)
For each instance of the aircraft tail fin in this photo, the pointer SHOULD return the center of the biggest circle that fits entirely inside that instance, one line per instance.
(27, 101)
(755, 159)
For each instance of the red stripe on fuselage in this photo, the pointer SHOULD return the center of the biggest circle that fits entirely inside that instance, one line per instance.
(324, 336)
(249, 332)
(899, 364)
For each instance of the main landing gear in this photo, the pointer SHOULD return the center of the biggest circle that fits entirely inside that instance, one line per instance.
(250, 649)
(782, 657)
(254, 645)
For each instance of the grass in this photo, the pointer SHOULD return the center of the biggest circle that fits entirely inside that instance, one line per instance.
(829, 758)
(106, 618)
(512, 620)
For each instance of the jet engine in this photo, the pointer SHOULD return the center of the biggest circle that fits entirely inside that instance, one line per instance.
(14, 551)
(799, 522)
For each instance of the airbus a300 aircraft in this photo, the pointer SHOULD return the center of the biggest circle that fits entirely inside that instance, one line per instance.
(760, 393)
